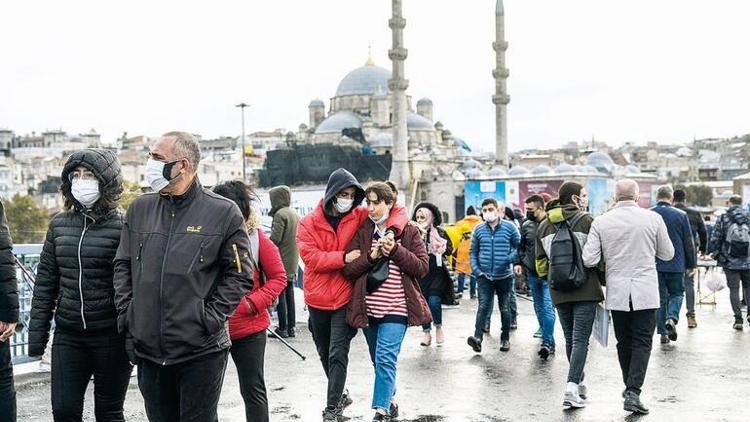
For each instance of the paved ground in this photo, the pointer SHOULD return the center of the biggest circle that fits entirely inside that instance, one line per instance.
(704, 376)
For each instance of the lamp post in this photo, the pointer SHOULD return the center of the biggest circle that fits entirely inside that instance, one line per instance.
(242, 154)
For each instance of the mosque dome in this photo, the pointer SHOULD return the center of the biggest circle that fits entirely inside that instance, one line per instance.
(541, 170)
(338, 121)
(470, 164)
(496, 172)
(416, 122)
(317, 103)
(382, 139)
(601, 161)
(518, 171)
(366, 80)
(424, 102)
(473, 173)
(565, 169)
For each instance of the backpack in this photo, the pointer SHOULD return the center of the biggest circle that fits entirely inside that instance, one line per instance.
(566, 270)
(738, 239)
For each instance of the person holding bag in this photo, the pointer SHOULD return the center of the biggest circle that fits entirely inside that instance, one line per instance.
(385, 306)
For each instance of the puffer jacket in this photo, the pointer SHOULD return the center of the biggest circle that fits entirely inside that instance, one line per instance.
(322, 248)
(8, 282)
(592, 289)
(75, 273)
(251, 315)
(493, 251)
(719, 247)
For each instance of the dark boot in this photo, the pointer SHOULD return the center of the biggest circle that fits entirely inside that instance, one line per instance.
(633, 403)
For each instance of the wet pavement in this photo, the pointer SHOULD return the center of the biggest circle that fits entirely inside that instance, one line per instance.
(705, 376)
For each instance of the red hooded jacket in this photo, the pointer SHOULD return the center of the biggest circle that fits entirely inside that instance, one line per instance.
(251, 316)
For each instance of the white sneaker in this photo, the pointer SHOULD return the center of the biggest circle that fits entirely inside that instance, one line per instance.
(583, 392)
(572, 399)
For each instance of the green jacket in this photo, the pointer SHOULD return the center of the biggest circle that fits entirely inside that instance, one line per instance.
(284, 228)
(592, 290)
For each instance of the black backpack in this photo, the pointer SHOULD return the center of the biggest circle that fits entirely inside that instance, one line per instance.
(566, 270)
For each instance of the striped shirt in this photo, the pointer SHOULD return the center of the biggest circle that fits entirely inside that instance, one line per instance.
(389, 298)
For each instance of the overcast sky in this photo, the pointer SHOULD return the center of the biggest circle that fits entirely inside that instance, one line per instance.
(636, 70)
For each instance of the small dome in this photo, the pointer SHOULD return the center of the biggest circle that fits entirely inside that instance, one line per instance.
(416, 122)
(684, 152)
(470, 164)
(473, 174)
(317, 103)
(439, 125)
(424, 102)
(565, 169)
(518, 171)
(338, 121)
(496, 172)
(382, 139)
(632, 169)
(542, 169)
(602, 161)
(589, 169)
(366, 80)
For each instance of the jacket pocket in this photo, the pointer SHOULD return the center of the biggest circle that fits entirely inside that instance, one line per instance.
(211, 324)
(197, 258)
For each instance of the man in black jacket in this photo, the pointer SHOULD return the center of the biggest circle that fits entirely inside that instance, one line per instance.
(182, 267)
(701, 239)
(8, 320)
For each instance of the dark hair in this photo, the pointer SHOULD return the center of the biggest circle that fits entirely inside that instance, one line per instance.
(567, 190)
(679, 195)
(471, 211)
(509, 214)
(382, 190)
(735, 200)
(236, 190)
(535, 199)
(393, 187)
(553, 203)
(489, 201)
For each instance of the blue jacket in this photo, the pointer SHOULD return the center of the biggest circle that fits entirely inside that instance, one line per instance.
(493, 251)
(681, 235)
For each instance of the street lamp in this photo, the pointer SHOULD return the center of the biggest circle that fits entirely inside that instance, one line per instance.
(242, 109)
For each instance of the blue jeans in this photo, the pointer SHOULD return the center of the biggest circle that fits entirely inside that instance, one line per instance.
(384, 342)
(690, 294)
(487, 291)
(671, 291)
(512, 307)
(436, 309)
(577, 320)
(545, 312)
(472, 284)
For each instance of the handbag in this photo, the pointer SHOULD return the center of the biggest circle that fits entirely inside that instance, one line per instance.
(378, 274)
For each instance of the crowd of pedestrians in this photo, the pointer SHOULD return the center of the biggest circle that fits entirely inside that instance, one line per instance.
(186, 278)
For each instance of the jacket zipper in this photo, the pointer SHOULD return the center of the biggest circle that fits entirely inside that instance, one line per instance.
(80, 268)
(161, 281)
(138, 258)
(197, 258)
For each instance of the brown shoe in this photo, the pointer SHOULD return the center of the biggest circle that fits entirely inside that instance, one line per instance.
(691, 323)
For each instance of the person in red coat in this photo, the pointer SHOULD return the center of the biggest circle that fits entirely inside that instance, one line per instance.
(248, 323)
(323, 236)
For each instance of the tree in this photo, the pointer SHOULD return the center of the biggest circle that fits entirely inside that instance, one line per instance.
(28, 223)
(130, 192)
(700, 195)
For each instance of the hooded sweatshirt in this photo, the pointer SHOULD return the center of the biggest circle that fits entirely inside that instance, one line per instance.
(591, 290)
(323, 238)
(284, 228)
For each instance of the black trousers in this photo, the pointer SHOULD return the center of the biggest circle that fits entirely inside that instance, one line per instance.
(7, 389)
(184, 392)
(285, 308)
(75, 358)
(635, 333)
(332, 336)
(248, 354)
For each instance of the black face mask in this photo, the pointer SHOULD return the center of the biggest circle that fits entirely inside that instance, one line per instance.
(167, 171)
(530, 216)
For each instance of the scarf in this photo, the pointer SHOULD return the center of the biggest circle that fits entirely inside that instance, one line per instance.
(436, 245)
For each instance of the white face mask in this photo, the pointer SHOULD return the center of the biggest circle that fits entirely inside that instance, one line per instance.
(155, 174)
(343, 205)
(86, 192)
(490, 217)
(382, 219)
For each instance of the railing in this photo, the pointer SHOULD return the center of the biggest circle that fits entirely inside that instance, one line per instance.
(26, 259)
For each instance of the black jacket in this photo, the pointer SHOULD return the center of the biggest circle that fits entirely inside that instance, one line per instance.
(527, 250)
(697, 225)
(182, 267)
(437, 281)
(74, 277)
(8, 282)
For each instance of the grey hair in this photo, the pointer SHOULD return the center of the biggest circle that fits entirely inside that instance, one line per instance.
(665, 192)
(186, 146)
(626, 190)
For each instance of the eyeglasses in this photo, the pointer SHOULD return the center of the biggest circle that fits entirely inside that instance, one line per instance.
(81, 175)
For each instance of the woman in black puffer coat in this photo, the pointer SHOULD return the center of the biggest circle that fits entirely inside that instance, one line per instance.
(74, 284)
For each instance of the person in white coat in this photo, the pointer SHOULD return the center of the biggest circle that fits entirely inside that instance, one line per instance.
(626, 240)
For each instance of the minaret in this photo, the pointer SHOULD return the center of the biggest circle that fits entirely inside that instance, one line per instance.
(501, 97)
(400, 173)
